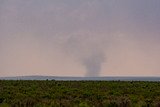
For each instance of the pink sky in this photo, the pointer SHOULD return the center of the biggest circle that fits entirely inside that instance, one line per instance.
(80, 37)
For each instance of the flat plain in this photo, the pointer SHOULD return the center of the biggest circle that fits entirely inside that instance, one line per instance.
(51, 93)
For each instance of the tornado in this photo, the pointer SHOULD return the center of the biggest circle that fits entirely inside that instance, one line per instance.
(93, 64)
(89, 52)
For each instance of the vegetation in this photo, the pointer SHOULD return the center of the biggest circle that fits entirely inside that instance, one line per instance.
(79, 94)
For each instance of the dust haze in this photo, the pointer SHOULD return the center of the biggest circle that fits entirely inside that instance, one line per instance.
(79, 38)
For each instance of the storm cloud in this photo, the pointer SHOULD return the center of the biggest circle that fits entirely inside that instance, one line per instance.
(79, 38)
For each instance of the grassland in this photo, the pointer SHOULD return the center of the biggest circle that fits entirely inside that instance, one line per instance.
(79, 94)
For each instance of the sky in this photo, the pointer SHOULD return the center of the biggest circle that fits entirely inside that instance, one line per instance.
(80, 37)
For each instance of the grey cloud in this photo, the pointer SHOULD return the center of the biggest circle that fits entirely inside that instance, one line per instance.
(91, 32)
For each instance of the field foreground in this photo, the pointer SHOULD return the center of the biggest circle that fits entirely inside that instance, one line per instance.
(50, 93)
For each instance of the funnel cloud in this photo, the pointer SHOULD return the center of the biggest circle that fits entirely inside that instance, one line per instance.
(93, 64)
(80, 37)
(89, 52)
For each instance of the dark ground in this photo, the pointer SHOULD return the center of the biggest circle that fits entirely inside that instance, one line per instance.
(51, 93)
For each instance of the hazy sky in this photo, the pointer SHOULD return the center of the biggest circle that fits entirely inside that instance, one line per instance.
(80, 37)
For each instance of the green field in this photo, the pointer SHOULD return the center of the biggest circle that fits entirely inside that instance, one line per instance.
(79, 94)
